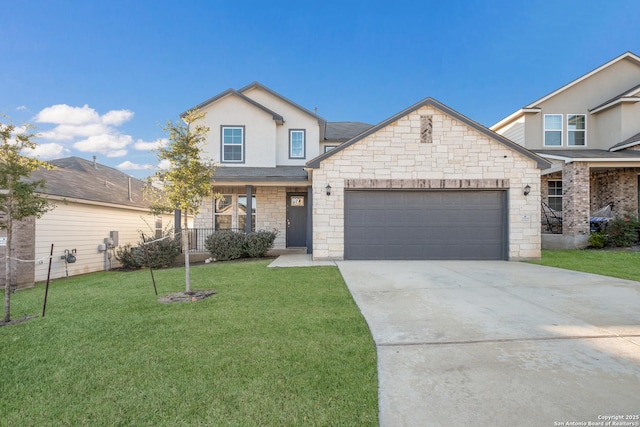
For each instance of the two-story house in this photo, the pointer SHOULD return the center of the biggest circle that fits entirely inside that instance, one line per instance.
(590, 130)
(427, 183)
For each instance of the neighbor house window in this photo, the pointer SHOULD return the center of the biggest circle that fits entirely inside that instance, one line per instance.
(576, 129)
(296, 144)
(223, 212)
(242, 212)
(159, 231)
(328, 148)
(553, 130)
(233, 144)
(555, 195)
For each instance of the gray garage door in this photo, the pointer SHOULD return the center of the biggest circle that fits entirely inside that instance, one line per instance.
(430, 224)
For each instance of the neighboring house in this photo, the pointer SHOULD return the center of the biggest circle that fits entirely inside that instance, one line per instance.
(590, 130)
(94, 203)
(427, 183)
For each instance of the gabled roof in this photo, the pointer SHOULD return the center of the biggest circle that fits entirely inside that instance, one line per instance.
(76, 178)
(344, 131)
(532, 107)
(542, 163)
(629, 142)
(232, 92)
(259, 85)
(631, 95)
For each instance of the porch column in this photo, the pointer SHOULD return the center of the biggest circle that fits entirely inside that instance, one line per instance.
(575, 200)
(247, 223)
(309, 220)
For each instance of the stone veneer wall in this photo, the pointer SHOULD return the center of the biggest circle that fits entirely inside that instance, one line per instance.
(457, 154)
(617, 187)
(23, 242)
(575, 199)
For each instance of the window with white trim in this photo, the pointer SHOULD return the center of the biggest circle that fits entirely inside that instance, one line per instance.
(296, 144)
(223, 211)
(232, 144)
(553, 130)
(576, 130)
(555, 195)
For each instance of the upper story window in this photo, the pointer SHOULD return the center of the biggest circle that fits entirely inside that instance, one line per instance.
(232, 144)
(296, 144)
(553, 130)
(576, 130)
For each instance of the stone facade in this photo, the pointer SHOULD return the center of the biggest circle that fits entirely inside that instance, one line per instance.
(615, 187)
(23, 242)
(575, 199)
(395, 156)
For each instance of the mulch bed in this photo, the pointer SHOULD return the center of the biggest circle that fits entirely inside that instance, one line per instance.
(192, 296)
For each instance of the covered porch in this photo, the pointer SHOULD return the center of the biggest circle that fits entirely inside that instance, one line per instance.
(579, 187)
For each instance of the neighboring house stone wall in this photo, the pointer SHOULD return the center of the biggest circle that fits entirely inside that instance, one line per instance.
(458, 153)
(23, 242)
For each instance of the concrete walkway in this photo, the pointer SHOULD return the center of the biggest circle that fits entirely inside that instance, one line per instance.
(298, 260)
(499, 343)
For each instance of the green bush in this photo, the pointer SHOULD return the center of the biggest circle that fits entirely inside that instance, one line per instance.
(161, 253)
(131, 257)
(225, 245)
(598, 240)
(622, 232)
(258, 243)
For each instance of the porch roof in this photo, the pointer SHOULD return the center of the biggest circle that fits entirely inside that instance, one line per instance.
(629, 142)
(590, 155)
(260, 174)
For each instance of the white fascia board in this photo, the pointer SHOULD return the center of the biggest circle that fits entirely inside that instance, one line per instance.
(94, 203)
(514, 116)
(622, 147)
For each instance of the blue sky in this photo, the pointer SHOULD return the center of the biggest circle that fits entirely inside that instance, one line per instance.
(99, 77)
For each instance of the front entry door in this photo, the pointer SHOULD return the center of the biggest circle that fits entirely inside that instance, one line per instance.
(296, 220)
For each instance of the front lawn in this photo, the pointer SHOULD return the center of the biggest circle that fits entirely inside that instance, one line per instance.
(615, 263)
(274, 347)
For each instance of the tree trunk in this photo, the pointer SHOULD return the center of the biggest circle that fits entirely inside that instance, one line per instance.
(7, 272)
(185, 249)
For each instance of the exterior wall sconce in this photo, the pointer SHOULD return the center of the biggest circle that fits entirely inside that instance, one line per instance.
(527, 189)
(328, 188)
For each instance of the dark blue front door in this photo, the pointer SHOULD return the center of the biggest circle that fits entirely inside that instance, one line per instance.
(296, 220)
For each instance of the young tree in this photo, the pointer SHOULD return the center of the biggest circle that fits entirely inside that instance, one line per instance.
(19, 198)
(187, 180)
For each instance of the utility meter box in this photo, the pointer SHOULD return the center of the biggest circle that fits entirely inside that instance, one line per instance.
(113, 235)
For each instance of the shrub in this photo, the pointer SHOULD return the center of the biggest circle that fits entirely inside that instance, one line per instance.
(598, 240)
(622, 232)
(258, 243)
(225, 245)
(131, 257)
(161, 252)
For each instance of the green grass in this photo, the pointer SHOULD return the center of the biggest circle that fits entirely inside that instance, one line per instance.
(622, 264)
(274, 347)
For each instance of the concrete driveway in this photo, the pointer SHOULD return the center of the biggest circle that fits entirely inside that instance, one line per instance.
(498, 343)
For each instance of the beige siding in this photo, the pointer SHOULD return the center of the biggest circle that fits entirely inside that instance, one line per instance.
(457, 153)
(84, 227)
(294, 119)
(514, 131)
(259, 131)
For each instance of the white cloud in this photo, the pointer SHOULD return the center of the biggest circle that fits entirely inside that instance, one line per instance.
(117, 117)
(148, 146)
(164, 164)
(128, 165)
(47, 151)
(22, 108)
(63, 114)
(111, 145)
(70, 132)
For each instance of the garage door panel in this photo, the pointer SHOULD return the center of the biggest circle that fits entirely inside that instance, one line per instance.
(399, 224)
